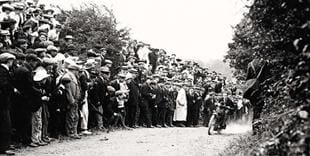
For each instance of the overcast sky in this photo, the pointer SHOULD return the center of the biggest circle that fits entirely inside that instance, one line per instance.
(193, 29)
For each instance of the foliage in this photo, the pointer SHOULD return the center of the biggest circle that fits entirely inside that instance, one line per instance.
(93, 25)
(279, 31)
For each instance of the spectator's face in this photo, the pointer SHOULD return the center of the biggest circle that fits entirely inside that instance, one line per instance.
(10, 63)
(109, 65)
(70, 41)
(34, 64)
(7, 11)
(106, 75)
(29, 31)
(53, 53)
(42, 55)
(24, 46)
(132, 53)
(103, 52)
(42, 38)
(225, 95)
(58, 29)
(121, 79)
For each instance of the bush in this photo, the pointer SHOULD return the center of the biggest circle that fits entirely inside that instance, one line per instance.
(279, 31)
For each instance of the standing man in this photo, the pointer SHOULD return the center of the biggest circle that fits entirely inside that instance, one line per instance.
(98, 96)
(133, 100)
(27, 99)
(83, 104)
(73, 95)
(146, 96)
(180, 112)
(6, 91)
(209, 106)
(153, 57)
(256, 70)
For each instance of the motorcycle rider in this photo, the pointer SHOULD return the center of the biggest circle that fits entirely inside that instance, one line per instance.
(228, 108)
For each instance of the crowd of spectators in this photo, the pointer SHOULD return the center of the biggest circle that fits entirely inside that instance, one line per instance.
(48, 88)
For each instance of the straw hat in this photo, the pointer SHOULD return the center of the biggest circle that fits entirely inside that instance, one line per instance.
(40, 74)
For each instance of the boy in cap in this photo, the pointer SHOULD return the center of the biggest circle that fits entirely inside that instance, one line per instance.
(117, 108)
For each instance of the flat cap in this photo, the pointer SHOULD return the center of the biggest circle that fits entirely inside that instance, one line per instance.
(8, 7)
(68, 37)
(104, 69)
(108, 62)
(110, 89)
(52, 48)
(6, 56)
(32, 57)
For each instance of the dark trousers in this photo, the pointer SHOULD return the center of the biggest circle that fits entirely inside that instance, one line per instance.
(190, 115)
(45, 119)
(5, 130)
(132, 113)
(23, 126)
(169, 117)
(258, 105)
(206, 117)
(72, 119)
(154, 116)
(195, 118)
(161, 115)
(145, 115)
(57, 123)
(21, 117)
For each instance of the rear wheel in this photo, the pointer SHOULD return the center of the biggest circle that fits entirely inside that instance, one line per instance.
(211, 125)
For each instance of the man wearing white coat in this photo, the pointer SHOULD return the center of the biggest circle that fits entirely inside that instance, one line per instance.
(180, 112)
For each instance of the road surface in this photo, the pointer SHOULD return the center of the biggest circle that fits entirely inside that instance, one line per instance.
(141, 142)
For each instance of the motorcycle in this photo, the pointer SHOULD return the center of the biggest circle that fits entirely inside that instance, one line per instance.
(218, 119)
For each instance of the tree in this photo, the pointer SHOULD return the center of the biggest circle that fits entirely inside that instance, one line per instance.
(279, 31)
(93, 25)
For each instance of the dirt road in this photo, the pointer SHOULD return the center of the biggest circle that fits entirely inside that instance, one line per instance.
(146, 142)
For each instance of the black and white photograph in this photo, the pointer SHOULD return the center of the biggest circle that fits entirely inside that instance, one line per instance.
(155, 77)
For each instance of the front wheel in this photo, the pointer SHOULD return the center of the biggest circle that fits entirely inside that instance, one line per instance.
(211, 125)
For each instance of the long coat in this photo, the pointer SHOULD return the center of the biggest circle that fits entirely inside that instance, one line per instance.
(73, 89)
(6, 90)
(180, 112)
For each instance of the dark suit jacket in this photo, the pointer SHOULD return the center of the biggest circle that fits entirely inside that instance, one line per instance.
(97, 95)
(160, 97)
(30, 95)
(115, 85)
(134, 94)
(146, 95)
(209, 105)
(153, 58)
(6, 88)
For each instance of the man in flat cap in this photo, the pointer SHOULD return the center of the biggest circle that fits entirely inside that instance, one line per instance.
(6, 91)
(107, 63)
(73, 95)
(27, 99)
(97, 97)
(133, 100)
(146, 97)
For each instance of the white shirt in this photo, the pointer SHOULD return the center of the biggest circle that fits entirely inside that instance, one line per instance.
(5, 66)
